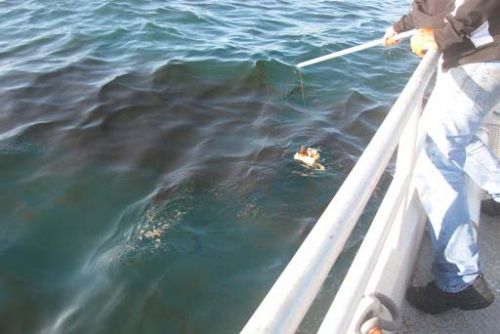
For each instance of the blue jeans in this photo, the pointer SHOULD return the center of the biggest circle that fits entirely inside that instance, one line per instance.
(461, 99)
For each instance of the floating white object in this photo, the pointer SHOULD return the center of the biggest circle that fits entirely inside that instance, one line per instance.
(309, 156)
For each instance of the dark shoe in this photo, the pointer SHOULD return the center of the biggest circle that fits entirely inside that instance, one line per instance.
(430, 299)
(490, 207)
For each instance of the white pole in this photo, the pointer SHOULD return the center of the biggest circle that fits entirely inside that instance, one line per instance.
(353, 49)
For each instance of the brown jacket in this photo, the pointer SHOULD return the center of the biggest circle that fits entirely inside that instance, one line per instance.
(466, 31)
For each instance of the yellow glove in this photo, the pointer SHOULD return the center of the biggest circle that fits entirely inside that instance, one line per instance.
(422, 41)
(389, 37)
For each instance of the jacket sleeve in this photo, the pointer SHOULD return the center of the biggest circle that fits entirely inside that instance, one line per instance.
(404, 24)
(468, 17)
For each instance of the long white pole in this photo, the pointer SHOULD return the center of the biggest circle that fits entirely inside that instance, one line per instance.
(353, 49)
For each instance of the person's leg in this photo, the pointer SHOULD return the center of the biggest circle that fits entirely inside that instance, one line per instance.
(483, 166)
(459, 102)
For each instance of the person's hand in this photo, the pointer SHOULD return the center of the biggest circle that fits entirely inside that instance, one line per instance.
(389, 37)
(422, 41)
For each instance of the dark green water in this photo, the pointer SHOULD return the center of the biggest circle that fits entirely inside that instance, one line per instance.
(147, 179)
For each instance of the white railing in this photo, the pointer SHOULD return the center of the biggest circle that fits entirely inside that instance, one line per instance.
(284, 307)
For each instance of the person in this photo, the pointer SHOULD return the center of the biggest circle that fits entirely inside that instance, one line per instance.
(467, 87)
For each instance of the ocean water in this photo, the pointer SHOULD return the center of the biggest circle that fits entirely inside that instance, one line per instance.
(147, 181)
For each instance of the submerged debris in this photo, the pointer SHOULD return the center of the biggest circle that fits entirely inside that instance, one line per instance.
(156, 223)
(309, 157)
(152, 234)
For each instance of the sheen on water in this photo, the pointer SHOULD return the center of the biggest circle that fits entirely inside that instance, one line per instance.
(147, 180)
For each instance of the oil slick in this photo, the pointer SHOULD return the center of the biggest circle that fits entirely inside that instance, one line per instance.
(309, 157)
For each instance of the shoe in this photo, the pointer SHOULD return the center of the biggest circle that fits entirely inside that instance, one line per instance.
(432, 300)
(490, 207)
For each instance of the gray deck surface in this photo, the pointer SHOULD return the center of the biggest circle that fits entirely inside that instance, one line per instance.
(457, 321)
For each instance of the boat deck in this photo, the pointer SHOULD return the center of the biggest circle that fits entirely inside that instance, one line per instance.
(457, 321)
